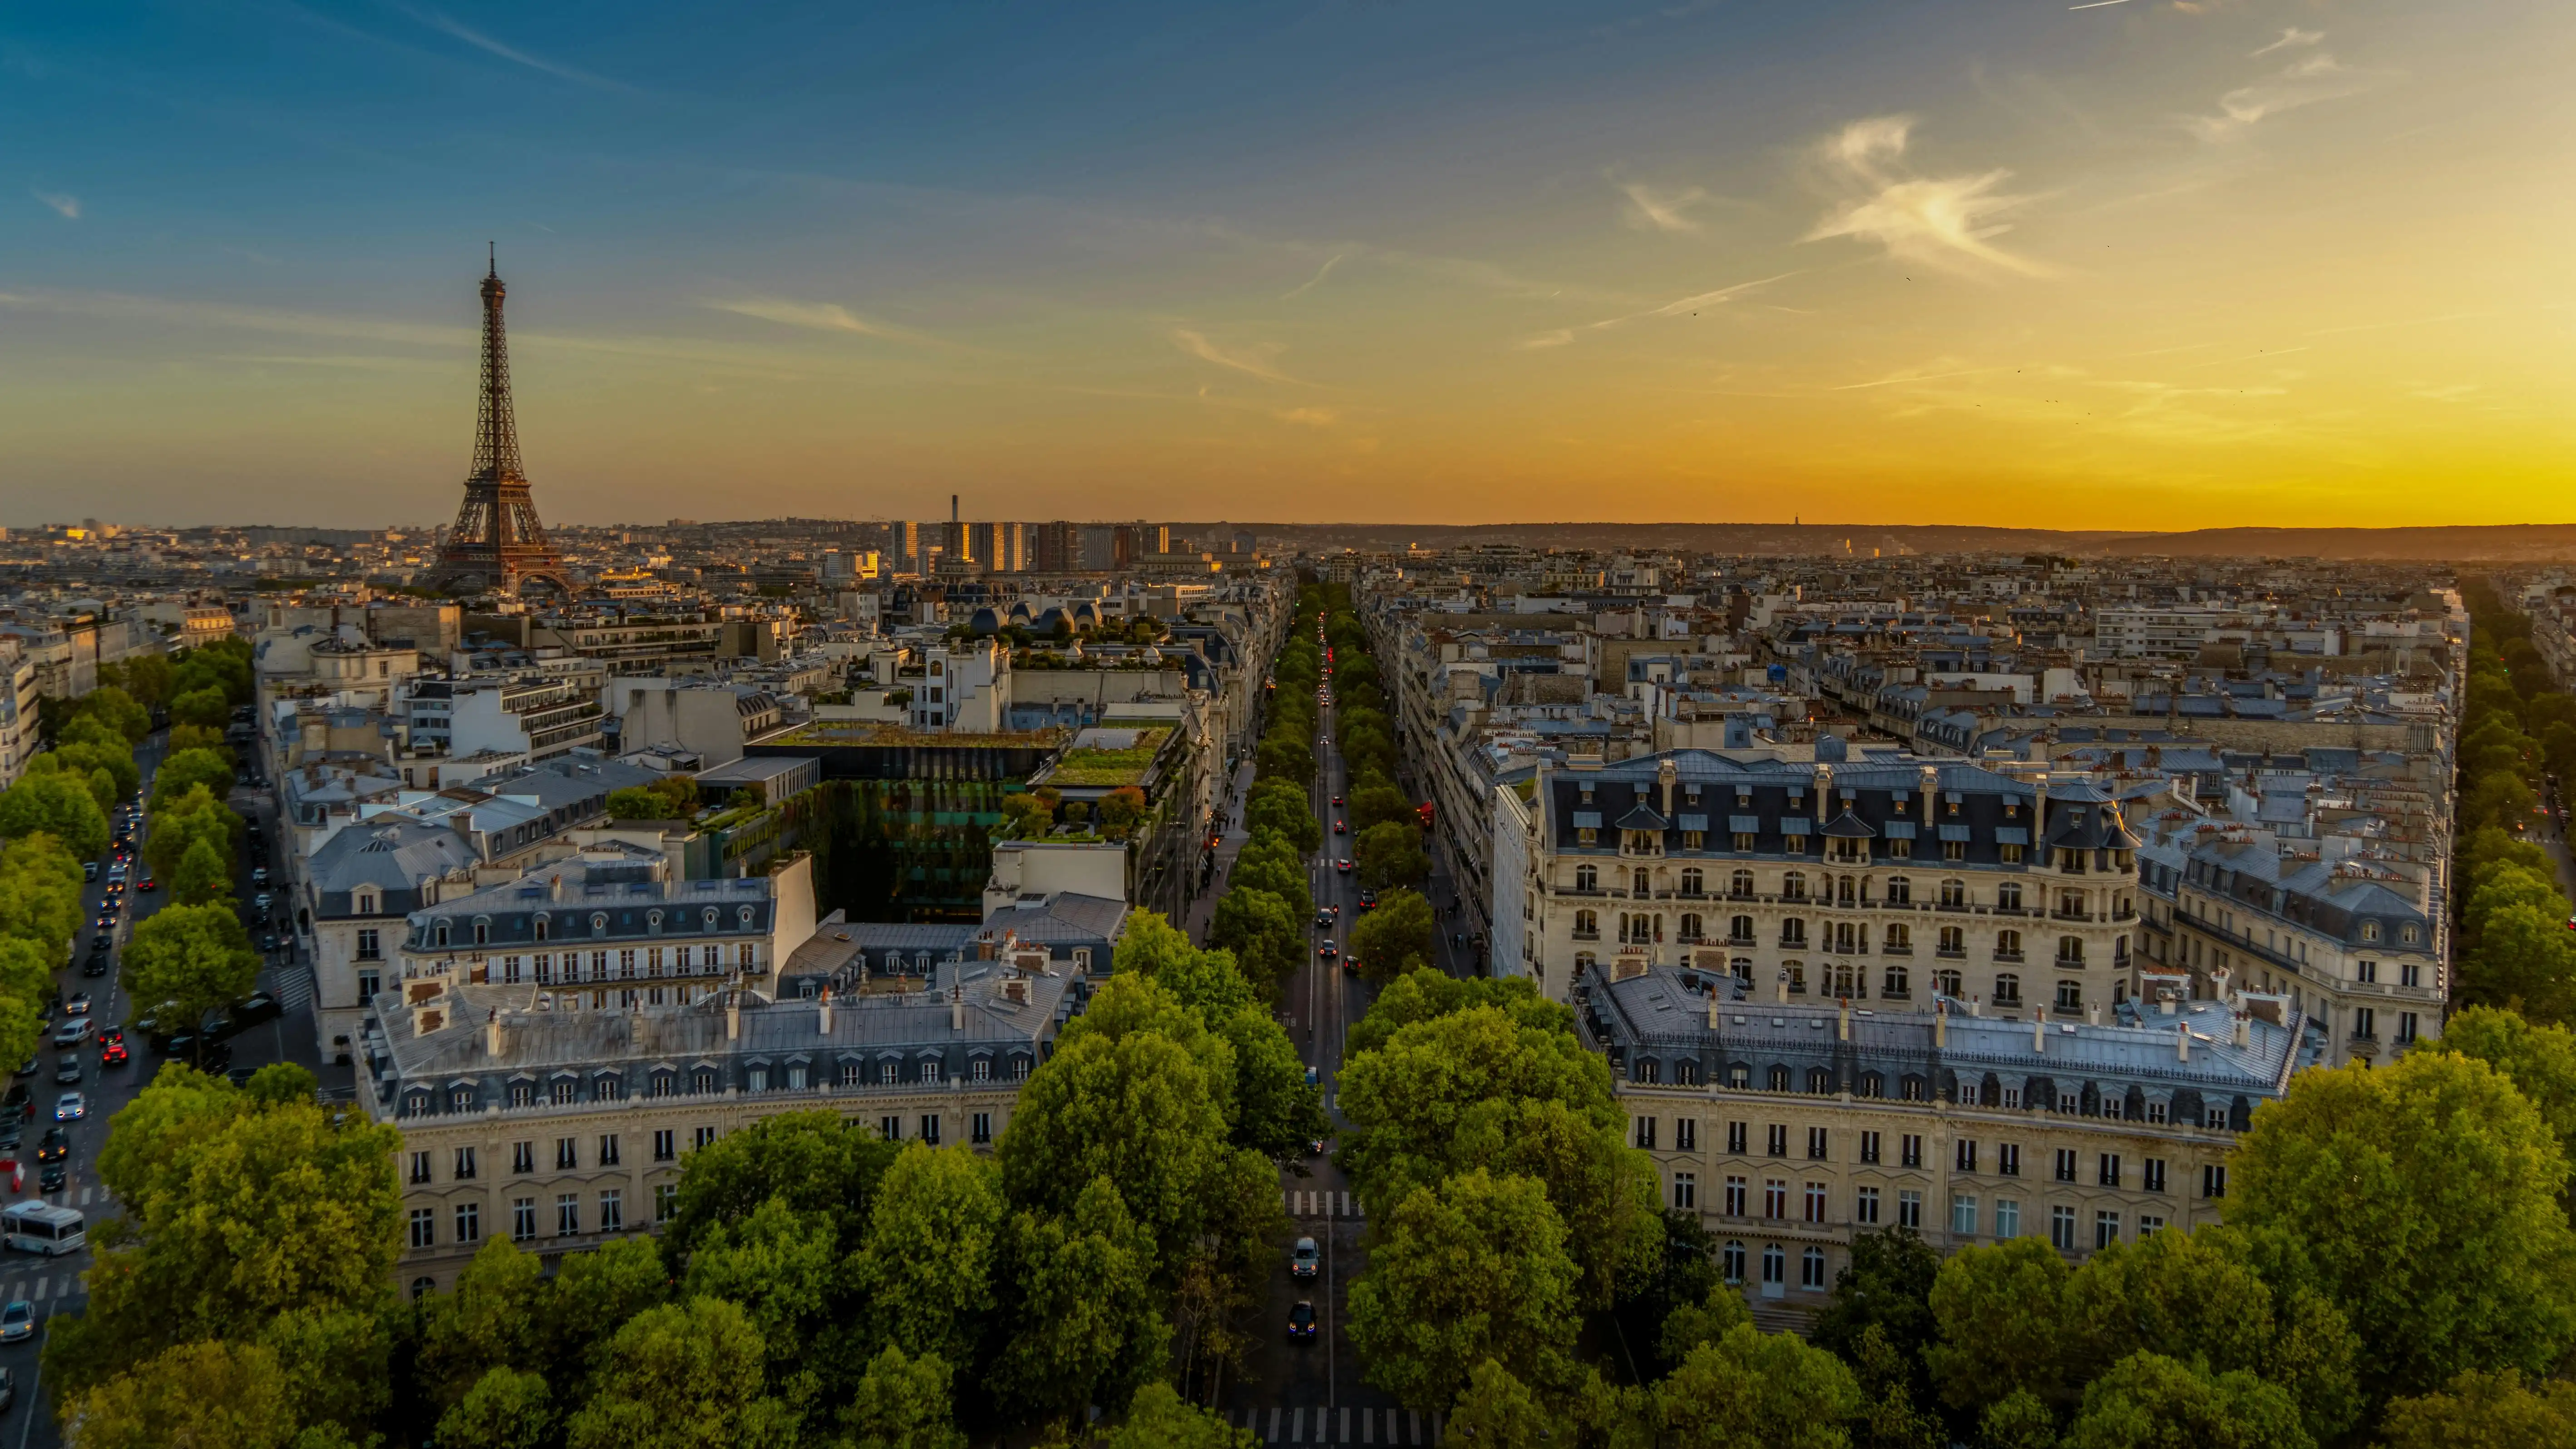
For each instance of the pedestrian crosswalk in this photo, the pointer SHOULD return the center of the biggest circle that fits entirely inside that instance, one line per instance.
(1320, 1424)
(1315, 1203)
(291, 984)
(45, 1287)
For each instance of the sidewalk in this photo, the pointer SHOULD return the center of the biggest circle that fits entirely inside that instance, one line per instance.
(1229, 845)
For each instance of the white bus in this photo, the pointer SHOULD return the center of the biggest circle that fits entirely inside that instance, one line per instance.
(35, 1226)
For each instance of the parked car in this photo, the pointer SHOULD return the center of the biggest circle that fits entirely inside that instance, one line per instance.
(1304, 1260)
(250, 1011)
(259, 875)
(89, 870)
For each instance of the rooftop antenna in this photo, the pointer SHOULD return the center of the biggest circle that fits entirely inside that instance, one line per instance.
(492, 259)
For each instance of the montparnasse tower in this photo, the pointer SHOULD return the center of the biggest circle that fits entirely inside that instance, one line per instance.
(497, 545)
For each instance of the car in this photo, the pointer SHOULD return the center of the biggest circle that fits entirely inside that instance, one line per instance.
(89, 870)
(1301, 1321)
(1328, 951)
(1323, 920)
(16, 1100)
(67, 1069)
(1343, 865)
(98, 944)
(113, 1054)
(1341, 827)
(1337, 799)
(17, 1321)
(75, 1031)
(259, 875)
(1305, 1259)
(260, 902)
(148, 884)
(1313, 1076)
(94, 966)
(70, 1107)
(250, 1011)
(116, 872)
(1368, 900)
(78, 1005)
(53, 1177)
(54, 1146)
(1315, 1147)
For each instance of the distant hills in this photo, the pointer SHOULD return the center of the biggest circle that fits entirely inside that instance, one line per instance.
(2503, 543)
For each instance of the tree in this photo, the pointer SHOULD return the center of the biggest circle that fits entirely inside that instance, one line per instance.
(635, 802)
(1498, 1411)
(198, 737)
(144, 677)
(506, 1409)
(1390, 855)
(206, 707)
(1267, 938)
(40, 895)
(680, 1376)
(902, 1403)
(1270, 865)
(783, 1268)
(1027, 815)
(209, 1392)
(1120, 809)
(26, 981)
(1886, 1286)
(594, 1295)
(188, 769)
(1395, 938)
(1086, 1328)
(117, 710)
(2426, 1201)
(54, 803)
(113, 756)
(182, 823)
(1471, 1270)
(2000, 1315)
(2148, 1401)
(1138, 1092)
(204, 877)
(1428, 995)
(1158, 1419)
(234, 1212)
(1690, 1326)
(1282, 806)
(1375, 805)
(1478, 1089)
(1756, 1390)
(933, 1255)
(814, 1161)
(2484, 1411)
(490, 1323)
(185, 961)
(2540, 1061)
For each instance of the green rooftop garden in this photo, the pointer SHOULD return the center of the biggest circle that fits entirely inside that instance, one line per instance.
(1110, 769)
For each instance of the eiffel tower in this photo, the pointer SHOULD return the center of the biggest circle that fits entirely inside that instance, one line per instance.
(497, 545)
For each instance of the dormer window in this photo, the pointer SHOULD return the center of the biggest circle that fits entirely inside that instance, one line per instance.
(438, 934)
(599, 923)
(2406, 934)
(364, 903)
(541, 926)
(743, 914)
(708, 917)
(482, 930)
(2370, 930)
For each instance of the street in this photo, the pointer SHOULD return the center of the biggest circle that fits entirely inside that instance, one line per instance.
(55, 1285)
(1310, 1392)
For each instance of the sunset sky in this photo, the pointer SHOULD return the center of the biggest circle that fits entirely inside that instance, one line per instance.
(2140, 264)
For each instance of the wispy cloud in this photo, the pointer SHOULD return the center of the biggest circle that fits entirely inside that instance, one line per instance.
(1317, 280)
(116, 306)
(1256, 362)
(1938, 221)
(2292, 39)
(1678, 307)
(1652, 210)
(457, 30)
(1310, 417)
(61, 201)
(2303, 82)
(813, 316)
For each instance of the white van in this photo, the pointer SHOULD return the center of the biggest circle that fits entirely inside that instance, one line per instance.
(35, 1226)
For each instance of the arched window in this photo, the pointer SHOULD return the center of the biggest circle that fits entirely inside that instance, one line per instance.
(1690, 927)
(1947, 983)
(1843, 889)
(1583, 961)
(1740, 929)
(1793, 932)
(1740, 885)
(438, 934)
(2007, 990)
(423, 1287)
(1733, 1259)
(1775, 1264)
(1796, 971)
(2007, 945)
(2370, 930)
(1793, 886)
(1953, 940)
(1900, 937)
(1899, 982)
(1587, 924)
(541, 927)
(1954, 893)
(1693, 882)
(1811, 1269)
(482, 930)
(1641, 887)
(2070, 996)
(1587, 878)
(2070, 950)
(1900, 891)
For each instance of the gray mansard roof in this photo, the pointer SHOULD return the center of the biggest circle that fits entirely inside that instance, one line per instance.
(1663, 1016)
(395, 858)
(612, 892)
(924, 1034)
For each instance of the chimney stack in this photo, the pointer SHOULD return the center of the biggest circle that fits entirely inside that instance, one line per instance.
(1940, 1023)
(1780, 987)
(823, 1015)
(492, 1034)
(733, 1015)
(2182, 1041)
(957, 1007)
(2244, 1029)
(1842, 1019)
(2039, 1029)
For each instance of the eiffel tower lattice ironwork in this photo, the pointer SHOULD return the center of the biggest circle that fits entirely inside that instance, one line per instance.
(497, 545)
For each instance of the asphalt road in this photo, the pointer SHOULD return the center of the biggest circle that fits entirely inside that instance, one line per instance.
(1310, 1391)
(54, 1285)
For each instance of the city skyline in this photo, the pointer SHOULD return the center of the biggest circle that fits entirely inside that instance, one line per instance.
(2132, 266)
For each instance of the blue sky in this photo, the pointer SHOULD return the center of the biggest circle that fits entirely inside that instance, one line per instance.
(1909, 261)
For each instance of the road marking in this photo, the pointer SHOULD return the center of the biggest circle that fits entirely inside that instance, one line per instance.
(1416, 1421)
(1345, 1436)
(41, 1285)
(1274, 1426)
(1297, 1425)
(1367, 1418)
(85, 1192)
